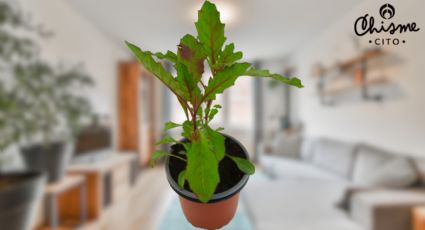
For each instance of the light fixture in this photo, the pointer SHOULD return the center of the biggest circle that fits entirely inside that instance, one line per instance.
(228, 11)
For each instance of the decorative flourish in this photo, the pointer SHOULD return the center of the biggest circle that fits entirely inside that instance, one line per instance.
(387, 11)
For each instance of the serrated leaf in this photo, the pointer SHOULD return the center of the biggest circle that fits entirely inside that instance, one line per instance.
(166, 140)
(266, 73)
(169, 56)
(224, 79)
(210, 30)
(243, 164)
(202, 170)
(181, 179)
(192, 55)
(156, 156)
(146, 59)
(217, 106)
(228, 56)
(170, 125)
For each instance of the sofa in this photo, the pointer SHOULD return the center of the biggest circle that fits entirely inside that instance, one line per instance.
(326, 184)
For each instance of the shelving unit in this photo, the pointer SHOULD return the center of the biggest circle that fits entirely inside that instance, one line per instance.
(357, 69)
(65, 203)
(89, 190)
(107, 181)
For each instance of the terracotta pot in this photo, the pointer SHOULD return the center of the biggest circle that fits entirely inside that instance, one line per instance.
(210, 216)
(220, 210)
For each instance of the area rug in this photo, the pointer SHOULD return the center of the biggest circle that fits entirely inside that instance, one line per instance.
(173, 218)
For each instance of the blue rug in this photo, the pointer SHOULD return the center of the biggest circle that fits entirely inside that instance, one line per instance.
(174, 219)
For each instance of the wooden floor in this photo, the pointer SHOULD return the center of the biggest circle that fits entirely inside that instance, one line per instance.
(142, 209)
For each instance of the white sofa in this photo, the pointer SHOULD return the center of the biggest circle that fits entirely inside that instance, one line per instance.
(333, 185)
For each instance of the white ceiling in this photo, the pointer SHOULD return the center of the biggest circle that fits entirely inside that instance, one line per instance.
(262, 29)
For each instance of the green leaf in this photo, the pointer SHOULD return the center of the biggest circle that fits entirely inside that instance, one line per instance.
(210, 30)
(156, 156)
(228, 56)
(212, 114)
(158, 70)
(170, 125)
(190, 66)
(266, 73)
(223, 80)
(181, 179)
(219, 129)
(243, 164)
(200, 113)
(169, 56)
(186, 146)
(217, 106)
(202, 170)
(187, 82)
(215, 141)
(192, 55)
(166, 140)
(187, 129)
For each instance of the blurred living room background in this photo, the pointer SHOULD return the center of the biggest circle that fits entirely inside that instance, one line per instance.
(346, 152)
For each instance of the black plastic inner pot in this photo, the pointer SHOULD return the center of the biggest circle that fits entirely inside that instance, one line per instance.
(232, 180)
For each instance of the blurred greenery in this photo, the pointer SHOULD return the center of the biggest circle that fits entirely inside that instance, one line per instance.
(38, 100)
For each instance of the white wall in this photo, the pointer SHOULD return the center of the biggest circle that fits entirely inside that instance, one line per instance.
(75, 41)
(397, 125)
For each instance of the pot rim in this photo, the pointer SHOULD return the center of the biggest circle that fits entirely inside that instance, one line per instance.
(216, 196)
(27, 146)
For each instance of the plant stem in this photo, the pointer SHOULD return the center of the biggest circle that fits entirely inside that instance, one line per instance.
(181, 158)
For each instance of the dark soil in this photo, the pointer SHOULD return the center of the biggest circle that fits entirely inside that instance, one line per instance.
(230, 174)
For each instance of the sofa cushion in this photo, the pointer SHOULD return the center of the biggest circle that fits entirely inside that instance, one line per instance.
(334, 156)
(376, 167)
(307, 148)
(295, 205)
(289, 169)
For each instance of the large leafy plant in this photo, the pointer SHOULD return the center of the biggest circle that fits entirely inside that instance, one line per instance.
(206, 146)
(38, 100)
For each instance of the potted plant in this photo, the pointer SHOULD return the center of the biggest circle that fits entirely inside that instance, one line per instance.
(48, 103)
(20, 192)
(53, 110)
(206, 168)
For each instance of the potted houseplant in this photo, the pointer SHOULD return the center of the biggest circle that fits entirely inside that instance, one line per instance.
(53, 110)
(20, 192)
(48, 103)
(206, 168)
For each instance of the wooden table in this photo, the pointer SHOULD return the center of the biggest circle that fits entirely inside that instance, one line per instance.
(66, 200)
